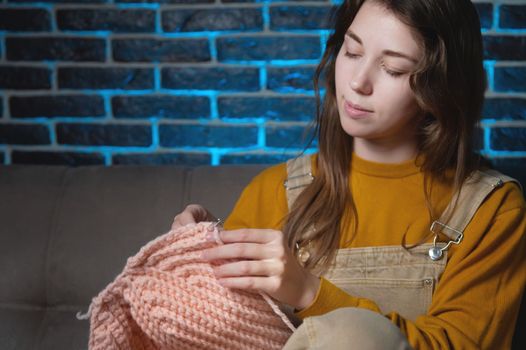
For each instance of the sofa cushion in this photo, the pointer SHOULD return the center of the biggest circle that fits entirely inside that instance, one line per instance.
(104, 216)
(219, 187)
(29, 197)
(20, 327)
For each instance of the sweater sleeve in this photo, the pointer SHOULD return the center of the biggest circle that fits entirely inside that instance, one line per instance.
(262, 203)
(476, 302)
(330, 297)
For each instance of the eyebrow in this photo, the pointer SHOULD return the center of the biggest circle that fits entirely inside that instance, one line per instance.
(392, 53)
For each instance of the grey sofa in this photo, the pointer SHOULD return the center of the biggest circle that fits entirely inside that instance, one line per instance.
(65, 233)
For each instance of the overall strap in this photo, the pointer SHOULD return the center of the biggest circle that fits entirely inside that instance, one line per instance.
(476, 188)
(453, 220)
(299, 175)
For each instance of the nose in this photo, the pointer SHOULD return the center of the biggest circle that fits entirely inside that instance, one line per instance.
(361, 81)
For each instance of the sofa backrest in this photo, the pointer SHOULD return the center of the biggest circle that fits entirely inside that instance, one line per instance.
(66, 233)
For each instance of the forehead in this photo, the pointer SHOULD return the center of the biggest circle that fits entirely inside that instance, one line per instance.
(379, 28)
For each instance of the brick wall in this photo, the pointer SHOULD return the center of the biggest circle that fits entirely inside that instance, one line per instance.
(197, 81)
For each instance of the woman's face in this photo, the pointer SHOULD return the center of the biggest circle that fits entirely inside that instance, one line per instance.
(373, 66)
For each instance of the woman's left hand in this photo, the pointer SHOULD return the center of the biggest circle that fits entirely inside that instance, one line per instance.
(265, 264)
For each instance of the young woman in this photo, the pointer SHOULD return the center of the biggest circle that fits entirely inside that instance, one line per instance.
(393, 235)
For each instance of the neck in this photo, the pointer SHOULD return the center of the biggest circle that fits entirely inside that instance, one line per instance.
(384, 151)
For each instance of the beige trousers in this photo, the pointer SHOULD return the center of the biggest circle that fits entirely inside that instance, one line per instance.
(349, 329)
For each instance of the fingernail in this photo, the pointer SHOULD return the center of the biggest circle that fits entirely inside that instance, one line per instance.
(210, 237)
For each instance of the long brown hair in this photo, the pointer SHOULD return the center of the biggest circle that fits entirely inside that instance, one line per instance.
(449, 85)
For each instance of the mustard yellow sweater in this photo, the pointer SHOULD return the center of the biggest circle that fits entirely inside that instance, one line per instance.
(476, 302)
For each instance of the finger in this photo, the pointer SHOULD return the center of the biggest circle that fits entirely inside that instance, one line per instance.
(264, 284)
(251, 251)
(247, 268)
(184, 218)
(198, 212)
(249, 236)
(176, 223)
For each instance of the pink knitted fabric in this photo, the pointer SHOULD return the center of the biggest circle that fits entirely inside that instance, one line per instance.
(168, 298)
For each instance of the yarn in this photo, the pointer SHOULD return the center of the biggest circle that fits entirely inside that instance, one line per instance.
(168, 298)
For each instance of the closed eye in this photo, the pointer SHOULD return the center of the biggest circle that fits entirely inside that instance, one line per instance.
(391, 72)
(351, 55)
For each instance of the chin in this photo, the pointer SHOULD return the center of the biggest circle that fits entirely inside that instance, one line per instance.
(352, 129)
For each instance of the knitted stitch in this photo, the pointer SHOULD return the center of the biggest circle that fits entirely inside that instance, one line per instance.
(168, 298)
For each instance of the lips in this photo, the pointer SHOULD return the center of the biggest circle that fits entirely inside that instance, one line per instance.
(356, 111)
(357, 107)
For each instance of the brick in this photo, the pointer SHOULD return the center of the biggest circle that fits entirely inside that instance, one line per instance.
(272, 108)
(505, 108)
(161, 50)
(63, 1)
(485, 11)
(25, 20)
(105, 78)
(478, 139)
(514, 167)
(504, 47)
(250, 1)
(56, 158)
(512, 16)
(59, 49)
(115, 20)
(251, 158)
(290, 78)
(188, 159)
(211, 78)
(216, 19)
(288, 137)
(510, 79)
(104, 134)
(24, 134)
(168, 1)
(268, 48)
(508, 139)
(207, 136)
(56, 106)
(24, 78)
(176, 107)
(300, 17)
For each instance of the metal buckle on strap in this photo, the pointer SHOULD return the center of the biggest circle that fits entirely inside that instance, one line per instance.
(435, 252)
(498, 184)
(437, 227)
(302, 184)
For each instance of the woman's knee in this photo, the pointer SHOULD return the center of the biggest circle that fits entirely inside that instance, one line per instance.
(348, 328)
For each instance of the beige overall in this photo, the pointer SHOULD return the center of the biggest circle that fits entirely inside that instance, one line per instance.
(394, 278)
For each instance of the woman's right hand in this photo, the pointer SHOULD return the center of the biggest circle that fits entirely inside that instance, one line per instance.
(192, 214)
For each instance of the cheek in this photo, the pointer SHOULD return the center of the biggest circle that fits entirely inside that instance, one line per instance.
(342, 65)
(409, 102)
(338, 73)
(404, 98)
(408, 111)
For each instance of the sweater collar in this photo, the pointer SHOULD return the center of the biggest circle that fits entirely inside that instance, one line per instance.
(390, 170)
